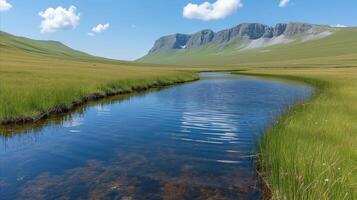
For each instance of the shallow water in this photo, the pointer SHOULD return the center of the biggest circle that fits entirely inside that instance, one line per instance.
(192, 141)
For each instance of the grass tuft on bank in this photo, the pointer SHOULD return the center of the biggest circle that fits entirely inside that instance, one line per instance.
(310, 153)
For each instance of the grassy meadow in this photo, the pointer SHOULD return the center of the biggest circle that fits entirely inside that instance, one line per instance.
(310, 153)
(36, 76)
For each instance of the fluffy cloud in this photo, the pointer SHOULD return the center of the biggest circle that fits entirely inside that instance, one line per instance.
(59, 18)
(283, 3)
(211, 11)
(4, 5)
(100, 28)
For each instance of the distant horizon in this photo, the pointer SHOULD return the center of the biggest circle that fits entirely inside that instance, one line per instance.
(171, 34)
(90, 28)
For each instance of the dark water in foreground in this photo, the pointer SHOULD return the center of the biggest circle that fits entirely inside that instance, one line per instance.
(193, 141)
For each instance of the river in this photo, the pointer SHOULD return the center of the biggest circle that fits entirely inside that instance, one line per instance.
(192, 141)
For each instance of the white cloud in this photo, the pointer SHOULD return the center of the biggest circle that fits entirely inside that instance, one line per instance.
(100, 28)
(211, 11)
(339, 26)
(59, 18)
(283, 3)
(133, 26)
(4, 5)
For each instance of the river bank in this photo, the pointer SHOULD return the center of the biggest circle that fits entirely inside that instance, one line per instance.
(310, 152)
(65, 108)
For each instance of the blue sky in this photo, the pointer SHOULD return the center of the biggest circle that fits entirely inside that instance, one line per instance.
(134, 25)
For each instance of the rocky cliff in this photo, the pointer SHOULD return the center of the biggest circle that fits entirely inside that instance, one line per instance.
(249, 31)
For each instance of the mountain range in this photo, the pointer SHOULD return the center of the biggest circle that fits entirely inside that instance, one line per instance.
(246, 31)
(250, 42)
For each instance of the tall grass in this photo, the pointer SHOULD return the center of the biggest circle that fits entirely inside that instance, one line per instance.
(311, 151)
(31, 84)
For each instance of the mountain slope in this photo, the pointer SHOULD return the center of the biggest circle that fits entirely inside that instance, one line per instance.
(12, 45)
(53, 48)
(257, 44)
(246, 33)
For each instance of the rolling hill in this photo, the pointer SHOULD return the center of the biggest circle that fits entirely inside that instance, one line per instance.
(39, 47)
(25, 47)
(39, 77)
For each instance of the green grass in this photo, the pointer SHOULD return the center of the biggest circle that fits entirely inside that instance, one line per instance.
(310, 153)
(40, 47)
(36, 76)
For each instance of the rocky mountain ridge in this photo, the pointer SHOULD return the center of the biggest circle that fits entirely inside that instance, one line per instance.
(248, 31)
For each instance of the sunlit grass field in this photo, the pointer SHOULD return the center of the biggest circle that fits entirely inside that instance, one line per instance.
(35, 79)
(311, 152)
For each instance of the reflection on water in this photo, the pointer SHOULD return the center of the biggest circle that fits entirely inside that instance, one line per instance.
(194, 141)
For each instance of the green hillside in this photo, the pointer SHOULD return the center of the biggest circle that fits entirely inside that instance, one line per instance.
(39, 47)
(39, 76)
(338, 49)
(11, 44)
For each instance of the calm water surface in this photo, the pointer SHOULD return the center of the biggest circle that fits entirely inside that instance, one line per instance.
(193, 141)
